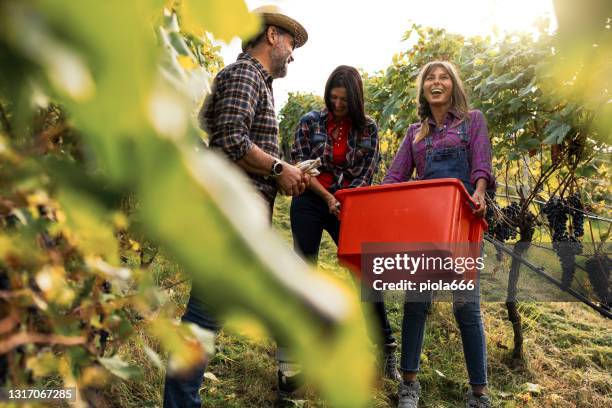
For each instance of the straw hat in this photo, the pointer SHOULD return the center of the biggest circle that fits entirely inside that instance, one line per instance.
(271, 15)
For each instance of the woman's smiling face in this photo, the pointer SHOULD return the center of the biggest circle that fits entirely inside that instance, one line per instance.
(339, 102)
(438, 87)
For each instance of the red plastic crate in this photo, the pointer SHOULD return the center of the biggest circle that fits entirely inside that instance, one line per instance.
(428, 211)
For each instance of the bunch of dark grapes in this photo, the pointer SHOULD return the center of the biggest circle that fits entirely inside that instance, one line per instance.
(556, 213)
(502, 223)
(598, 268)
(490, 217)
(566, 245)
(505, 227)
(576, 210)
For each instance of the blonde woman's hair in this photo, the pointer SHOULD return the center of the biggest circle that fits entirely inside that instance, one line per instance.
(459, 99)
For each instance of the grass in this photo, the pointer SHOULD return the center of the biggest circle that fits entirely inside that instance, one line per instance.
(568, 354)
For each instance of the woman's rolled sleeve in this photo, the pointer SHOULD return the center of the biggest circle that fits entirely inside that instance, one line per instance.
(480, 151)
(403, 164)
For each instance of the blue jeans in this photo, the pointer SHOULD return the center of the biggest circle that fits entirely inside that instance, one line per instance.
(467, 314)
(309, 217)
(184, 391)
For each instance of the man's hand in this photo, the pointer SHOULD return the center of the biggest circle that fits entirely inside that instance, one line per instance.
(292, 181)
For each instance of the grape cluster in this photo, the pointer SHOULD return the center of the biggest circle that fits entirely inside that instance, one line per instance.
(556, 211)
(490, 217)
(565, 244)
(505, 227)
(576, 210)
(598, 268)
(502, 222)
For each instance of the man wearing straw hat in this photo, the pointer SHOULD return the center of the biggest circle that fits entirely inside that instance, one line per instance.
(240, 118)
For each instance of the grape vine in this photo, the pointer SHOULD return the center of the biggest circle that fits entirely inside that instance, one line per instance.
(565, 243)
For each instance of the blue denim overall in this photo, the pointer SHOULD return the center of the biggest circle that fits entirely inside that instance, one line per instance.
(449, 161)
(442, 163)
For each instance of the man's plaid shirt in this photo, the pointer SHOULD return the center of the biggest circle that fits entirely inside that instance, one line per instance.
(240, 112)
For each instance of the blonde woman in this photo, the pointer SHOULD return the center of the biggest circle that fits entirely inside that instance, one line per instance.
(449, 141)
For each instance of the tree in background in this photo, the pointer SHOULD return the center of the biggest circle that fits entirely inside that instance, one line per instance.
(584, 64)
(297, 105)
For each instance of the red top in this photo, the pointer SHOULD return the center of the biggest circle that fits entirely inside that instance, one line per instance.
(339, 147)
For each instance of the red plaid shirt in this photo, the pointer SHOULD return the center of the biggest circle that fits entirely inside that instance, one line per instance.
(312, 141)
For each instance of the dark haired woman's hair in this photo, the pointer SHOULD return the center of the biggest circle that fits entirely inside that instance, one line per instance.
(348, 78)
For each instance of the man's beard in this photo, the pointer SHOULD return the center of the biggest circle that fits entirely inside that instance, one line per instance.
(279, 63)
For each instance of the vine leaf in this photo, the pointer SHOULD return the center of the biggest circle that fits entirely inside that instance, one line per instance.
(556, 132)
(120, 368)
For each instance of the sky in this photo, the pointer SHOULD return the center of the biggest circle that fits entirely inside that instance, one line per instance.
(366, 34)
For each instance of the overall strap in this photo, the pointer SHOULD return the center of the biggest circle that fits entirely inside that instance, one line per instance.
(428, 139)
(463, 132)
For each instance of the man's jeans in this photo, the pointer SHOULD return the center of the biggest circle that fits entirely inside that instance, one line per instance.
(184, 391)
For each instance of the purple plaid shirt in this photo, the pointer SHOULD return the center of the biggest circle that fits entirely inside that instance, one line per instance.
(362, 158)
(240, 112)
(411, 156)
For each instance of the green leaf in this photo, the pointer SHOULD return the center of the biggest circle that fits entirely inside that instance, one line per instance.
(90, 225)
(516, 78)
(526, 90)
(515, 104)
(120, 368)
(513, 156)
(586, 171)
(520, 124)
(556, 132)
(532, 388)
(154, 357)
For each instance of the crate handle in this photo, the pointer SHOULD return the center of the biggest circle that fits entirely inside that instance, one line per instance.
(474, 204)
(470, 201)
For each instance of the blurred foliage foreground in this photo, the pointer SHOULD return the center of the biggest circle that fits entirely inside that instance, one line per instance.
(97, 158)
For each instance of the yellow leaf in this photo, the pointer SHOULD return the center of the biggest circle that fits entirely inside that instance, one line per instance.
(43, 364)
(93, 376)
(185, 345)
(134, 245)
(52, 281)
(120, 221)
(246, 326)
(89, 226)
(225, 19)
(186, 62)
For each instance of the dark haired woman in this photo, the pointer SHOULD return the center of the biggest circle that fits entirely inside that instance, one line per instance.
(346, 141)
(449, 141)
